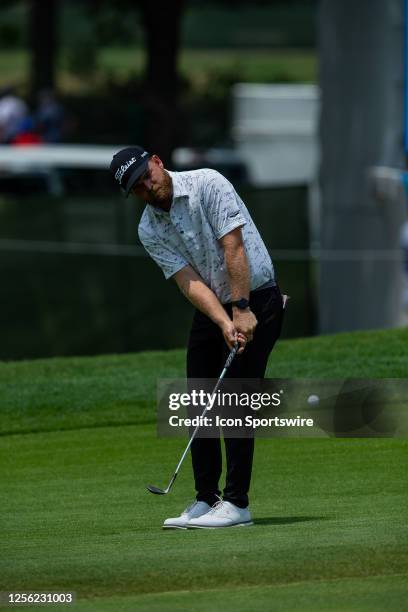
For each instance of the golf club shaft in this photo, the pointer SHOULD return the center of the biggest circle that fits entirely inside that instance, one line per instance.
(158, 491)
(227, 365)
(230, 358)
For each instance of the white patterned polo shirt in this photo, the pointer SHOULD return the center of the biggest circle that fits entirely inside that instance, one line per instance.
(205, 208)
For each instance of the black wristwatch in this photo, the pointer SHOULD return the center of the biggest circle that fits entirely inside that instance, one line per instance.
(242, 303)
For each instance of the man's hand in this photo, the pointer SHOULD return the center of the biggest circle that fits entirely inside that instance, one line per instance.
(231, 335)
(244, 322)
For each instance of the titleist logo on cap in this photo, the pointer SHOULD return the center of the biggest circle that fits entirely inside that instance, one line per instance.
(121, 171)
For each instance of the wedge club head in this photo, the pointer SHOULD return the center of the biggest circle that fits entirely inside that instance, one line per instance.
(156, 490)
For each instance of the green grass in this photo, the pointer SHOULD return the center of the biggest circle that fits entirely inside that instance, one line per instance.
(79, 446)
(370, 593)
(67, 393)
(13, 67)
(253, 66)
(198, 66)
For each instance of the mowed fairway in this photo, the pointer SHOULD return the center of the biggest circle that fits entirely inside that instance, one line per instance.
(78, 447)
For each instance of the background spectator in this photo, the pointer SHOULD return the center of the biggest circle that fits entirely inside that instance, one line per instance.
(50, 117)
(12, 110)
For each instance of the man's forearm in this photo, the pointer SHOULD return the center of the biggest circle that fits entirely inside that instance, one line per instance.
(238, 271)
(201, 296)
(240, 282)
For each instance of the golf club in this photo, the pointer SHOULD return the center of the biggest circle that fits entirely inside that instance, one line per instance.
(158, 491)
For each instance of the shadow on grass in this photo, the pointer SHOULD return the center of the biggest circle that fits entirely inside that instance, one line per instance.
(288, 520)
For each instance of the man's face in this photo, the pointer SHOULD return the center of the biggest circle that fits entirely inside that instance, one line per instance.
(154, 186)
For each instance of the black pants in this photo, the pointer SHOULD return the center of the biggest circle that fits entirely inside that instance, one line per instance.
(206, 355)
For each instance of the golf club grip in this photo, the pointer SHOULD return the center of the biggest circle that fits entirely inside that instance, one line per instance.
(227, 365)
(230, 358)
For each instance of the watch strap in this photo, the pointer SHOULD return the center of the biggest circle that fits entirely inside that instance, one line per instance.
(242, 303)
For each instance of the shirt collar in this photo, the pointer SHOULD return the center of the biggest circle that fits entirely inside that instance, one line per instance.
(179, 187)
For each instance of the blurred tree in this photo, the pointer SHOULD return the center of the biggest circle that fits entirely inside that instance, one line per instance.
(11, 32)
(161, 24)
(162, 35)
(42, 24)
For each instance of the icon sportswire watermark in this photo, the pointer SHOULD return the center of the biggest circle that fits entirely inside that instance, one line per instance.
(284, 407)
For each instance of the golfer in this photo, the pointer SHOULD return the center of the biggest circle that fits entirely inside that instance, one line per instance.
(197, 229)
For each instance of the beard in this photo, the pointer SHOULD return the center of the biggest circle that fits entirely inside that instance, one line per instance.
(161, 196)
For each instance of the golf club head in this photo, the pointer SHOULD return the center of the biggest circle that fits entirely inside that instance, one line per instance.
(156, 490)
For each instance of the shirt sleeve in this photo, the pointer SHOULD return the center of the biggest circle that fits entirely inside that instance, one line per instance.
(166, 257)
(221, 203)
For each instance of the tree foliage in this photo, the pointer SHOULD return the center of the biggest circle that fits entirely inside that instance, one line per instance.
(42, 30)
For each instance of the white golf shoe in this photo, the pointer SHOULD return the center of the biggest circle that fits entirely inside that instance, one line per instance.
(222, 514)
(196, 509)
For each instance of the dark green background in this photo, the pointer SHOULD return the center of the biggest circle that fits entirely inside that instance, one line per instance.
(82, 301)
